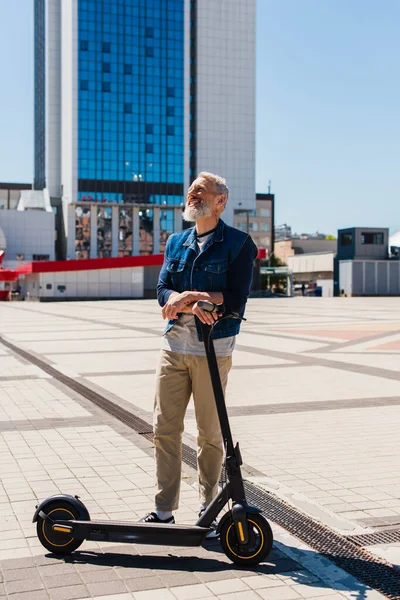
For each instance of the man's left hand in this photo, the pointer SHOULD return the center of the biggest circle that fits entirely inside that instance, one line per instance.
(175, 304)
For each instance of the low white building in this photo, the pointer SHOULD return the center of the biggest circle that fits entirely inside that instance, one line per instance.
(316, 269)
(99, 278)
(29, 230)
(369, 277)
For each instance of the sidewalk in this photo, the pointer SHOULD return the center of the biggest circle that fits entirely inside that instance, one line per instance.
(296, 442)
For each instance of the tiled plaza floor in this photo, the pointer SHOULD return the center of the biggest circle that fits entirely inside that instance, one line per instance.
(314, 399)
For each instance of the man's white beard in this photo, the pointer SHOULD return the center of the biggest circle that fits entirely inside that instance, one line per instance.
(192, 213)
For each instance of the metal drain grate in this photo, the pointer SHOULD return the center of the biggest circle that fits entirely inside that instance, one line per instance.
(388, 536)
(344, 552)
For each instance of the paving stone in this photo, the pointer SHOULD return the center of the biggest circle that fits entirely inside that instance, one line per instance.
(16, 574)
(286, 593)
(243, 595)
(161, 594)
(57, 581)
(227, 586)
(36, 595)
(69, 593)
(148, 583)
(191, 592)
(179, 579)
(99, 576)
(24, 585)
(115, 586)
(263, 581)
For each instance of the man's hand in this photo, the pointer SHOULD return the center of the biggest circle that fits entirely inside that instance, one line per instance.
(176, 303)
(208, 318)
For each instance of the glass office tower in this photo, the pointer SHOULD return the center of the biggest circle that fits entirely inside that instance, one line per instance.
(129, 106)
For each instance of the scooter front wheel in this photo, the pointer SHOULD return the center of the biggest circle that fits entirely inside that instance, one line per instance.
(258, 546)
(58, 542)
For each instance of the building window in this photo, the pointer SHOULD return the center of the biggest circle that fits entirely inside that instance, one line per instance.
(128, 107)
(149, 51)
(125, 232)
(170, 111)
(170, 130)
(253, 226)
(149, 148)
(106, 47)
(106, 67)
(128, 69)
(372, 238)
(171, 92)
(150, 32)
(149, 128)
(84, 45)
(104, 232)
(346, 239)
(84, 85)
(40, 257)
(265, 227)
(265, 212)
(106, 86)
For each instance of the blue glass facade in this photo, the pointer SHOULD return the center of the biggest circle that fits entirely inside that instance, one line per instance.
(131, 100)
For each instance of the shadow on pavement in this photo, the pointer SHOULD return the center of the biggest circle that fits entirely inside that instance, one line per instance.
(210, 559)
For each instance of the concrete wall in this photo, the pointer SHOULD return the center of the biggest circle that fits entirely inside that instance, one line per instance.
(312, 246)
(327, 287)
(27, 232)
(374, 251)
(97, 283)
(369, 277)
(311, 263)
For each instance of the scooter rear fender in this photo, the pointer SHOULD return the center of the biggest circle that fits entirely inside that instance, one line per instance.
(74, 500)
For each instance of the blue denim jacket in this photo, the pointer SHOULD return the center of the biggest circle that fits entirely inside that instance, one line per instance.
(225, 265)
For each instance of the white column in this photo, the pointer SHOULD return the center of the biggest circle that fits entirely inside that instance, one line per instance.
(177, 220)
(135, 231)
(156, 231)
(71, 231)
(93, 231)
(53, 99)
(114, 230)
(69, 103)
(186, 100)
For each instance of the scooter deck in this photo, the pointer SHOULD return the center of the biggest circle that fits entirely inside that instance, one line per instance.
(135, 533)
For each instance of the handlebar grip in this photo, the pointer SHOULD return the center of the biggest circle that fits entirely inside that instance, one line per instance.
(205, 305)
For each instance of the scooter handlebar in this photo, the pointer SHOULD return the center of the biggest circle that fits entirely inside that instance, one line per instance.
(218, 308)
(208, 306)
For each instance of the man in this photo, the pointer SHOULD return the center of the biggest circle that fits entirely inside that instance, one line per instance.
(214, 262)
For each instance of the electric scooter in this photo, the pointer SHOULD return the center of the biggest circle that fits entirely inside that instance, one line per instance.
(63, 521)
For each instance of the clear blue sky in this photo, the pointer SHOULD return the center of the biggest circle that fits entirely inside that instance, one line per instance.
(328, 100)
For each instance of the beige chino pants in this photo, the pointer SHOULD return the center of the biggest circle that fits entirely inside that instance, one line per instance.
(179, 376)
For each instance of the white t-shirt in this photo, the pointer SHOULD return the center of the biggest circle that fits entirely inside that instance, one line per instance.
(182, 337)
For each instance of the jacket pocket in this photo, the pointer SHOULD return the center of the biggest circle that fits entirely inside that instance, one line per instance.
(177, 272)
(215, 275)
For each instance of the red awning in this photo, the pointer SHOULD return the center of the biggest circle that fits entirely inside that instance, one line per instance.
(57, 266)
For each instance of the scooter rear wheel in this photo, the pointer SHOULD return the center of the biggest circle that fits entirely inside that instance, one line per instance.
(58, 542)
(257, 548)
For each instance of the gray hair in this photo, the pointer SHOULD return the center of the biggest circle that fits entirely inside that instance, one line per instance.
(220, 185)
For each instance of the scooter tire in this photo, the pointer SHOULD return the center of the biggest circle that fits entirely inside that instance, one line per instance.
(259, 544)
